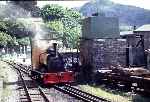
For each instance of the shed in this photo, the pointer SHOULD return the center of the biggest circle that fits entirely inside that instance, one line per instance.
(145, 32)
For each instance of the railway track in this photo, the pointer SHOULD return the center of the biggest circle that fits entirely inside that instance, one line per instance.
(28, 93)
(67, 89)
(79, 94)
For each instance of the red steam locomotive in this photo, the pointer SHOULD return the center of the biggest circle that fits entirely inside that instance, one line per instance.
(48, 64)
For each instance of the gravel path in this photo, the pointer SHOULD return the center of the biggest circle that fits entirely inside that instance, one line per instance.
(9, 78)
(57, 96)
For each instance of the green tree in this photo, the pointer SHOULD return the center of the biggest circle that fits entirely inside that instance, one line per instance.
(12, 42)
(3, 26)
(52, 12)
(56, 26)
(14, 28)
(13, 33)
(4, 39)
(64, 21)
(23, 41)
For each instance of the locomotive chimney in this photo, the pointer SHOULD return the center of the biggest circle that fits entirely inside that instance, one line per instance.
(55, 48)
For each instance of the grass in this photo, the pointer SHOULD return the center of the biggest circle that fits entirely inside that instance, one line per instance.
(98, 91)
(114, 96)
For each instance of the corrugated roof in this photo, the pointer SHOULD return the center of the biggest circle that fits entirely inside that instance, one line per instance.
(144, 28)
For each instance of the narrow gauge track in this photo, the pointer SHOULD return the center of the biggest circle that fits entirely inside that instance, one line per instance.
(68, 89)
(30, 96)
(79, 94)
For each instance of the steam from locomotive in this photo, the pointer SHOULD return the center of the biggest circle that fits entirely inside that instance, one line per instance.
(47, 62)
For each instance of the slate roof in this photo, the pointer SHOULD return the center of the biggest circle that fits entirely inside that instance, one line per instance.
(143, 28)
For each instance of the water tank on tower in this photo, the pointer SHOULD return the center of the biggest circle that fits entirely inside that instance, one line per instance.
(100, 26)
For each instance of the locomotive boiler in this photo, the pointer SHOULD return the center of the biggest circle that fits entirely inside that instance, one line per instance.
(48, 64)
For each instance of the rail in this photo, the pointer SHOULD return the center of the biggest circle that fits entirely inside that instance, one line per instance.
(21, 68)
(79, 94)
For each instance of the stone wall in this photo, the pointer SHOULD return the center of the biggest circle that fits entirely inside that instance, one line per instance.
(103, 53)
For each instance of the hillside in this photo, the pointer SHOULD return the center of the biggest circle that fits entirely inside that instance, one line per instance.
(128, 15)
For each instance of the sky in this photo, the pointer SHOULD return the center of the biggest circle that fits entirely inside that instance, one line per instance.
(69, 4)
(139, 3)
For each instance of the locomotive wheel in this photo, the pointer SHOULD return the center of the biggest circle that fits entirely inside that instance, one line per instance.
(39, 79)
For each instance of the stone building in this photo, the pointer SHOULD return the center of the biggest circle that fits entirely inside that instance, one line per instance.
(100, 45)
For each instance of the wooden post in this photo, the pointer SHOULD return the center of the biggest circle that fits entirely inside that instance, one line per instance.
(145, 56)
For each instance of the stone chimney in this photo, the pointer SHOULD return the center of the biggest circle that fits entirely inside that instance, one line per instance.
(134, 27)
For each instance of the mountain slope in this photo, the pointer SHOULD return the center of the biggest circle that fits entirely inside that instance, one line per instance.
(128, 15)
